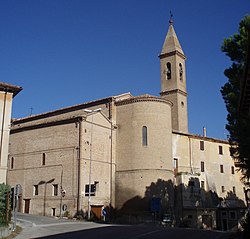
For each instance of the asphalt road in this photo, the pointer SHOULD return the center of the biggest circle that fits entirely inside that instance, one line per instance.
(138, 232)
(52, 228)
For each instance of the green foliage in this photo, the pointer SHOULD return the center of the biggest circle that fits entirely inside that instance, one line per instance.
(4, 203)
(236, 48)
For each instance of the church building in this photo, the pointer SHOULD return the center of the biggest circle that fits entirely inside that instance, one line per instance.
(128, 158)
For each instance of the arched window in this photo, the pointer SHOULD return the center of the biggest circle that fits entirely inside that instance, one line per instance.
(168, 71)
(43, 158)
(144, 136)
(180, 71)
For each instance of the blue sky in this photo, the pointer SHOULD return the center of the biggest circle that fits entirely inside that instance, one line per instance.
(66, 52)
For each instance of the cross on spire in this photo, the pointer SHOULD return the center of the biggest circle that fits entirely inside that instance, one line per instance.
(171, 18)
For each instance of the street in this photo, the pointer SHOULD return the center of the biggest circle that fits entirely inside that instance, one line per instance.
(54, 228)
(136, 232)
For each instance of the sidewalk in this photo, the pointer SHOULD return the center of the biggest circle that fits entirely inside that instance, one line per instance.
(50, 226)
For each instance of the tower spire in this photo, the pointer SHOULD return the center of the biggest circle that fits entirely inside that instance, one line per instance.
(173, 78)
(171, 43)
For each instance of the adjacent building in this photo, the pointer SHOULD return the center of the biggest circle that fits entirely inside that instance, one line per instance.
(132, 155)
(7, 93)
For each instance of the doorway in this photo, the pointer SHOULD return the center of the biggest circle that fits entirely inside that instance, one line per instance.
(224, 224)
(26, 206)
(97, 211)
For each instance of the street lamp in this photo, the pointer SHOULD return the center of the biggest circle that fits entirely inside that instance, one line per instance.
(90, 156)
(45, 192)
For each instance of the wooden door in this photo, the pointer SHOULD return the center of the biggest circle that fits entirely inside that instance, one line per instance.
(97, 211)
(26, 205)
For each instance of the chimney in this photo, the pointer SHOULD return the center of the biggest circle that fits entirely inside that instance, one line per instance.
(204, 132)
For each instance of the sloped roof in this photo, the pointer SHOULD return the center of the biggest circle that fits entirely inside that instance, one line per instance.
(171, 43)
(67, 109)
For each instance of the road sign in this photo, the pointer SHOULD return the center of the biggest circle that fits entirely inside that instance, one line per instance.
(18, 189)
(155, 204)
(104, 212)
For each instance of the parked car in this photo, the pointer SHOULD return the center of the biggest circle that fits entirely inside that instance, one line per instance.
(166, 220)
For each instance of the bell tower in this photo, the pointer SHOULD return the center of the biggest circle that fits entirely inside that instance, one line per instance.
(173, 79)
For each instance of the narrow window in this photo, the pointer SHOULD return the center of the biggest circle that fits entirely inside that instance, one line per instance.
(222, 189)
(191, 183)
(144, 136)
(55, 189)
(202, 166)
(175, 166)
(191, 186)
(232, 152)
(168, 71)
(224, 214)
(234, 190)
(220, 149)
(35, 190)
(43, 158)
(232, 215)
(180, 71)
(96, 186)
(221, 168)
(203, 185)
(12, 162)
(202, 145)
(232, 169)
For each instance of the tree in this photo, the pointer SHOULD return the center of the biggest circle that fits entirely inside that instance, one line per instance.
(238, 126)
(4, 203)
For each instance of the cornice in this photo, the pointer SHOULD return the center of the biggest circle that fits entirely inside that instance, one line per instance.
(196, 136)
(142, 98)
(10, 88)
(62, 110)
(169, 92)
(17, 129)
(172, 53)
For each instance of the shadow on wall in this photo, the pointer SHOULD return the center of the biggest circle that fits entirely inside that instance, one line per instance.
(161, 189)
(172, 200)
(146, 209)
(194, 196)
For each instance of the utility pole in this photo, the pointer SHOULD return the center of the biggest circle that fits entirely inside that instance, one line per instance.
(90, 157)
